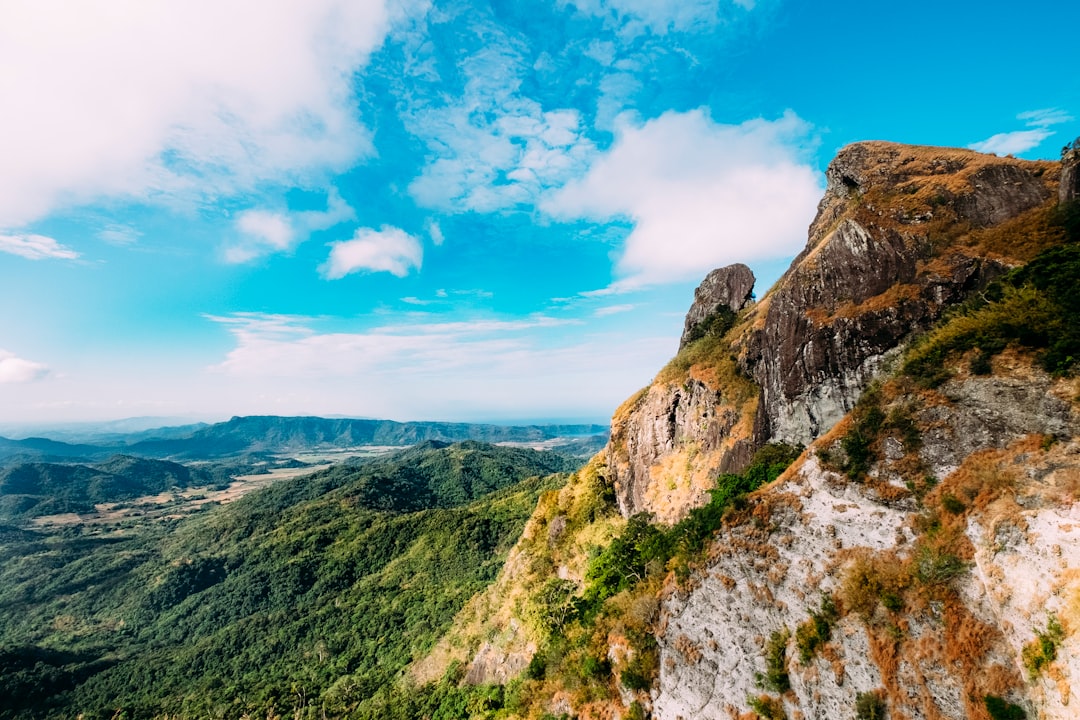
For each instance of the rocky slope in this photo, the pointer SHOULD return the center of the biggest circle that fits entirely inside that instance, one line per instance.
(921, 558)
(901, 234)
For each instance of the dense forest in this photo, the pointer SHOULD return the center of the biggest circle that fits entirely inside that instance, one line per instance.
(304, 598)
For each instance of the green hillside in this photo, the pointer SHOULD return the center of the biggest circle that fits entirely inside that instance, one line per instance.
(304, 598)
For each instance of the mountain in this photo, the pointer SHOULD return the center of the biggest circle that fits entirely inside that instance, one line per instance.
(306, 597)
(271, 435)
(854, 497)
(262, 434)
(36, 488)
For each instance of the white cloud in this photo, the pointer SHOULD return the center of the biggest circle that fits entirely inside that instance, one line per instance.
(1018, 141)
(612, 310)
(1012, 143)
(287, 346)
(16, 370)
(435, 233)
(157, 100)
(264, 232)
(1046, 116)
(387, 249)
(478, 369)
(119, 235)
(35, 247)
(699, 194)
(492, 148)
(660, 16)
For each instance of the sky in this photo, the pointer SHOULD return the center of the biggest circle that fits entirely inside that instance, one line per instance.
(459, 210)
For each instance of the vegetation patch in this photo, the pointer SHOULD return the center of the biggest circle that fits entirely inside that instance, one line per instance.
(1034, 307)
(1001, 709)
(870, 706)
(816, 631)
(775, 676)
(1040, 652)
(767, 707)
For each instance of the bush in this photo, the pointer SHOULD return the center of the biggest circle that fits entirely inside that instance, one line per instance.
(935, 566)
(767, 708)
(775, 676)
(1000, 709)
(816, 631)
(951, 504)
(715, 325)
(1042, 651)
(869, 706)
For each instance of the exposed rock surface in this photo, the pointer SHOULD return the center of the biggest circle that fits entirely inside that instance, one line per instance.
(894, 244)
(674, 425)
(769, 574)
(730, 287)
(871, 275)
(1070, 172)
(972, 512)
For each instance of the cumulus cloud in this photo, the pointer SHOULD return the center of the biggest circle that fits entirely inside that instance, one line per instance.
(263, 232)
(699, 194)
(35, 247)
(16, 370)
(388, 249)
(159, 100)
(1019, 141)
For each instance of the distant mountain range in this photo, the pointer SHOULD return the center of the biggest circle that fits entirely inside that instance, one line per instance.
(268, 434)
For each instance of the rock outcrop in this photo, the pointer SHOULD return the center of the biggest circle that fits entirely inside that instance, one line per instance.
(1070, 172)
(730, 287)
(901, 234)
(883, 261)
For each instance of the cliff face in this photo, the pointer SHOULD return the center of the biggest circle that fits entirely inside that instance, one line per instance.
(930, 637)
(901, 234)
(920, 560)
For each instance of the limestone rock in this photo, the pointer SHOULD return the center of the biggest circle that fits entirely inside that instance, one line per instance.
(1069, 189)
(874, 271)
(731, 287)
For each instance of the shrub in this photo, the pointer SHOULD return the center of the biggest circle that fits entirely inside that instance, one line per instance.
(715, 325)
(775, 676)
(816, 631)
(869, 706)
(553, 606)
(951, 504)
(1042, 651)
(870, 581)
(935, 566)
(767, 708)
(1000, 709)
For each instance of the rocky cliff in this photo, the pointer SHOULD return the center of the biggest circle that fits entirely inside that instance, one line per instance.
(920, 559)
(901, 234)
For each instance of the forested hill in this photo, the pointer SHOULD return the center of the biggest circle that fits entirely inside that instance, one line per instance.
(308, 595)
(37, 488)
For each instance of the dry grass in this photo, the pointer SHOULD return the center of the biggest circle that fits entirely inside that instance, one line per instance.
(1018, 239)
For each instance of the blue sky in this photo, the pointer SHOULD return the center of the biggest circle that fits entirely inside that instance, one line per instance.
(462, 210)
